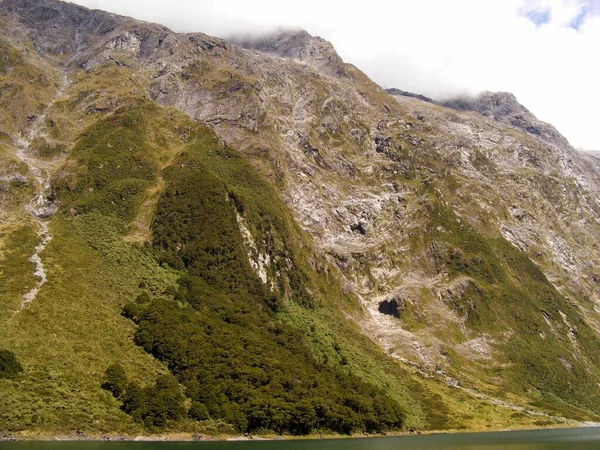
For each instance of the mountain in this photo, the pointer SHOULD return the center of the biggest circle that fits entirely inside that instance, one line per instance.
(591, 152)
(210, 237)
(297, 45)
(503, 107)
(395, 91)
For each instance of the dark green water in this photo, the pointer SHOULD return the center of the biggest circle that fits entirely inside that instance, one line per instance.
(569, 439)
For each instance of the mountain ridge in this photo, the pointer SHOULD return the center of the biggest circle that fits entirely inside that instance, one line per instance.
(502, 107)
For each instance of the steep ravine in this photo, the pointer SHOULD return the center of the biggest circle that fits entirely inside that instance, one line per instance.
(41, 207)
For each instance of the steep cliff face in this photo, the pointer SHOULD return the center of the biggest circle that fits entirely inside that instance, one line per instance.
(61, 28)
(445, 253)
(300, 46)
(503, 107)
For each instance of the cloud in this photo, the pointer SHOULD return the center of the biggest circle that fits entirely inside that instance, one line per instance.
(538, 17)
(544, 51)
(570, 13)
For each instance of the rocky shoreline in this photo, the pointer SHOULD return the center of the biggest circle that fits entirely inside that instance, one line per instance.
(80, 436)
(196, 437)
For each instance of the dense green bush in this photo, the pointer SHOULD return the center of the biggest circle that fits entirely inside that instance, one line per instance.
(195, 228)
(10, 367)
(144, 297)
(220, 335)
(198, 411)
(113, 165)
(115, 380)
(256, 373)
(156, 405)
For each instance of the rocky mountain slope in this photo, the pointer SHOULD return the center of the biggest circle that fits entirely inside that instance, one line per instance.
(434, 265)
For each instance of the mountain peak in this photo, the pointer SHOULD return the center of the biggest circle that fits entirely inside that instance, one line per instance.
(296, 44)
(496, 105)
(504, 107)
(400, 92)
(60, 27)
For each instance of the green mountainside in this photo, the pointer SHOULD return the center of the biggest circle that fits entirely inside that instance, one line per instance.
(200, 237)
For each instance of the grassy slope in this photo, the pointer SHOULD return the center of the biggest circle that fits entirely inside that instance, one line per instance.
(26, 85)
(508, 297)
(74, 328)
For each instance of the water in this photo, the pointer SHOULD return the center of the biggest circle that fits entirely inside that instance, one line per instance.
(565, 439)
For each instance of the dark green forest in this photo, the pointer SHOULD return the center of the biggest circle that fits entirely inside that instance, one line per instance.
(230, 356)
(220, 336)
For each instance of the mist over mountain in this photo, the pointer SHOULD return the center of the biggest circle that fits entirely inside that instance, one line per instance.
(434, 48)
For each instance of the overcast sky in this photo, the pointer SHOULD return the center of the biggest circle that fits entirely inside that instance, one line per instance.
(546, 52)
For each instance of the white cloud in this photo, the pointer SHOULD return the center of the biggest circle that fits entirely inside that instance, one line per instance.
(433, 47)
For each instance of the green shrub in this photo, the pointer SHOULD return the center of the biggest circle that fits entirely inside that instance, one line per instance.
(156, 405)
(144, 297)
(132, 310)
(10, 367)
(115, 380)
(113, 164)
(198, 411)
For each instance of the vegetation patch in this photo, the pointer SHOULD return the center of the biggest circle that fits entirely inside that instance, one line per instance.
(220, 330)
(219, 334)
(10, 367)
(506, 293)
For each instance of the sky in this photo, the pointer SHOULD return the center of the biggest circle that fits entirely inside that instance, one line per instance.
(546, 52)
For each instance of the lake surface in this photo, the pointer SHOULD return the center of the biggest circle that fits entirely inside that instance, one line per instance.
(565, 439)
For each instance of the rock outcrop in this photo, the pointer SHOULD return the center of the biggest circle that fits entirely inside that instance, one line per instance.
(300, 46)
(504, 107)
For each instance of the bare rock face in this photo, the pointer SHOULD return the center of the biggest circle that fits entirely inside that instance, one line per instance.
(396, 91)
(504, 107)
(60, 27)
(298, 45)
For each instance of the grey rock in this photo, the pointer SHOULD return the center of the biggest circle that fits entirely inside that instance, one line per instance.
(298, 45)
(395, 91)
(504, 107)
(61, 27)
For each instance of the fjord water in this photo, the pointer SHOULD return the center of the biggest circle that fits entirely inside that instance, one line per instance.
(562, 439)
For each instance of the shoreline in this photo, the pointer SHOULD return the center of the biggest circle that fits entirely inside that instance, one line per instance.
(79, 436)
